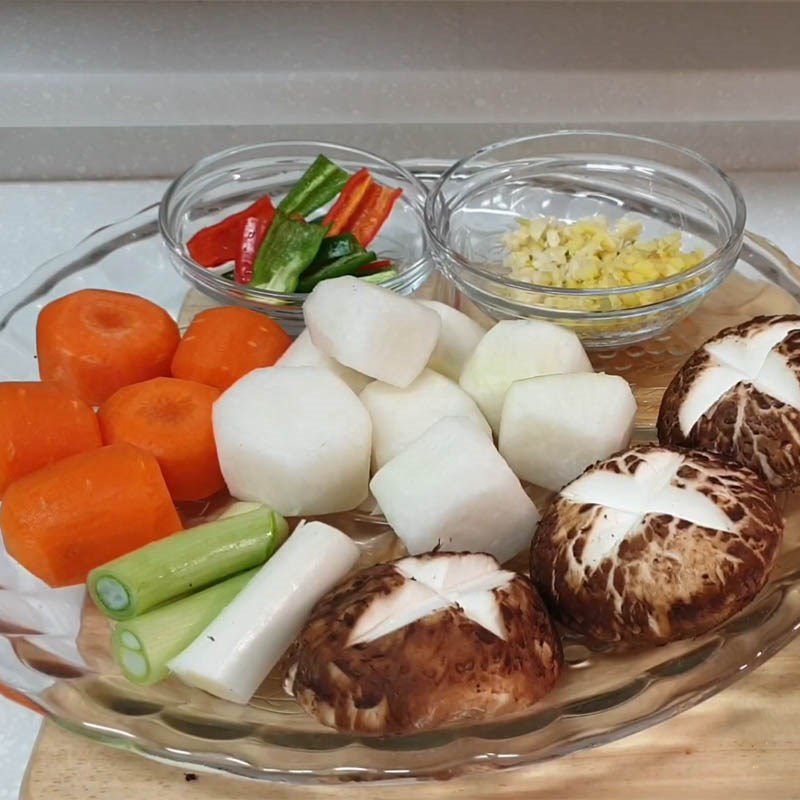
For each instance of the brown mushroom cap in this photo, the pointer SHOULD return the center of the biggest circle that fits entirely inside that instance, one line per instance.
(703, 551)
(748, 422)
(441, 668)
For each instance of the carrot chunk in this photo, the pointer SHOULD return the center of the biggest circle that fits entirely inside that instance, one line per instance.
(65, 519)
(41, 423)
(171, 419)
(223, 344)
(94, 341)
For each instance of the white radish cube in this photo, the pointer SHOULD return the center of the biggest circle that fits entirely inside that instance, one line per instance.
(451, 489)
(555, 426)
(513, 350)
(296, 439)
(303, 353)
(371, 329)
(459, 337)
(399, 416)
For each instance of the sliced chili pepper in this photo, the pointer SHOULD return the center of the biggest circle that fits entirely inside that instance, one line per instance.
(379, 277)
(349, 200)
(218, 244)
(375, 266)
(372, 212)
(348, 265)
(255, 229)
(321, 182)
(334, 247)
(287, 250)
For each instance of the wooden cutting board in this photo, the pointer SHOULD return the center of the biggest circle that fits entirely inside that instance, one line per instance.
(742, 744)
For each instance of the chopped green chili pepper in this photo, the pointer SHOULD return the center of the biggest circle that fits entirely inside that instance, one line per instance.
(379, 277)
(287, 250)
(334, 247)
(321, 182)
(348, 265)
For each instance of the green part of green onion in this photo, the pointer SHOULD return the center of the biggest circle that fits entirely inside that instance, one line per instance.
(143, 646)
(186, 562)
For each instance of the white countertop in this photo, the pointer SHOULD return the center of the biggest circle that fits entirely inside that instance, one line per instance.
(41, 220)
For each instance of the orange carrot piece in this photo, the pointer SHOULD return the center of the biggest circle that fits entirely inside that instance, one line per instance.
(94, 341)
(64, 520)
(223, 344)
(170, 418)
(41, 423)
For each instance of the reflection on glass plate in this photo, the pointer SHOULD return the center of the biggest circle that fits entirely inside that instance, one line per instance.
(55, 651)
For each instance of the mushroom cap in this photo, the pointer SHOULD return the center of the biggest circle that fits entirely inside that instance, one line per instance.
(414, 644)
(656, 544)
(739, 395)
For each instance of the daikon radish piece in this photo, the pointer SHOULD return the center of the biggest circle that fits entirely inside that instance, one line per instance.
(295, 439)
(451, 489)
(555, 426)
(371, 329)
(303, 353)
(513, 350)
(458, 338)
(399, 416)
(237, 651)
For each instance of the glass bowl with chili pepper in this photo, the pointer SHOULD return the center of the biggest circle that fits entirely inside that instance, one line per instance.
(261, 225)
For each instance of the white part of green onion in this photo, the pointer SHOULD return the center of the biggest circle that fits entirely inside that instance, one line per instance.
(113, 593)
(236, 652)
(129, 641)
(134, 663)
(142, 646)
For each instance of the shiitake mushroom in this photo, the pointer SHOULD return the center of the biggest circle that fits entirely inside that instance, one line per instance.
(739, 395)
(423, 642)
(656, 544)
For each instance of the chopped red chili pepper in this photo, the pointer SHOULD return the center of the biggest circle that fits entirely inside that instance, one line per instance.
(375, 266)
(372, 212)
(218, 244)
(343, 209)
(255, 229)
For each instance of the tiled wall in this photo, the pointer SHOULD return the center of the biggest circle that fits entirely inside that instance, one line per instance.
(76, 77)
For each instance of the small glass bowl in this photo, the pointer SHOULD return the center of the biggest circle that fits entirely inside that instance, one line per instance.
(227, 182)
(570, 175)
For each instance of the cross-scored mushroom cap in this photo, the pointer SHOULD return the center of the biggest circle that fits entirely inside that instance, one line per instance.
(754, 420)
(356, 666)
(656, 544)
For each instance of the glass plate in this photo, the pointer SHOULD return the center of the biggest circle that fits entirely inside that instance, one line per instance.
(54, 651)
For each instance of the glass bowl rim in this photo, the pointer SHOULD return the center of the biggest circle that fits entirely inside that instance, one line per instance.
(216, 283)
(728, 250)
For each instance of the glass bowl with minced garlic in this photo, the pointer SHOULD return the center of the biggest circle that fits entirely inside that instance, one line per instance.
(617, 237)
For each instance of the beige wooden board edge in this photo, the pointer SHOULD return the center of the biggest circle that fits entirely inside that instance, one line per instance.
(744, 743)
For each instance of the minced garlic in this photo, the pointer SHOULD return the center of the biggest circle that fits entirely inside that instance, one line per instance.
(588, 254)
